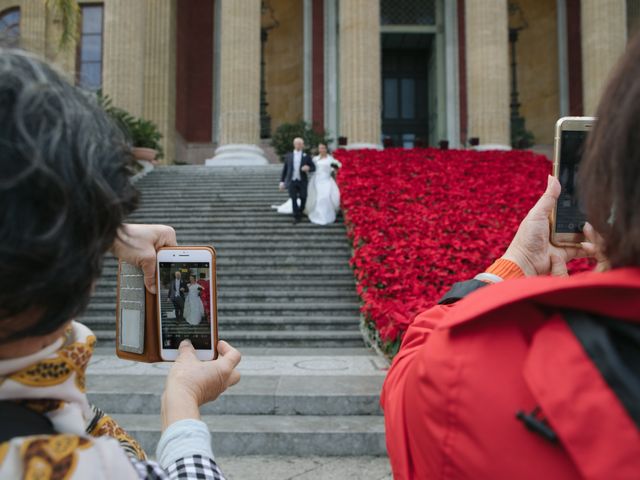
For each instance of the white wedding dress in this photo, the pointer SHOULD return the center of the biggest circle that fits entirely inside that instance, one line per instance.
(193, 307)
(323, 195)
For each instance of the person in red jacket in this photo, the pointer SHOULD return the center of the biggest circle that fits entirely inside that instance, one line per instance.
(525, 372)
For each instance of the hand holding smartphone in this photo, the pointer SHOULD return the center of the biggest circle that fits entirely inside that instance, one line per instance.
(567, 218)
(149, 328)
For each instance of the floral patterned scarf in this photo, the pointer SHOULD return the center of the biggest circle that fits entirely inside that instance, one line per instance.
(52, 382)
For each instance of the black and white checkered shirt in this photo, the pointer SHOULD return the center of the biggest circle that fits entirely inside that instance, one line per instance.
(195, 467)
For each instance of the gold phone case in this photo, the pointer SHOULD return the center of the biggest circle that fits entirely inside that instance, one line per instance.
(564, 123)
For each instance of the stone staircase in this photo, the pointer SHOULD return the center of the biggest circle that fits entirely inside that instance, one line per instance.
(286, 299)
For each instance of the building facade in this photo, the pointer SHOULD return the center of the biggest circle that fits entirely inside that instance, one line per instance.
(219, 76)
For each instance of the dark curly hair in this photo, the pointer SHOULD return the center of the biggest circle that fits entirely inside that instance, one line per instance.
(64, 193)
(610, 171)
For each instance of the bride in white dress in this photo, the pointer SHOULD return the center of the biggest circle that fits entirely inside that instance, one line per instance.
(193, 307)
(323, 195)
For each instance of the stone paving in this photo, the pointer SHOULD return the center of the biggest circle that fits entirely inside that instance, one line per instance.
(307, 468)
(257, 365)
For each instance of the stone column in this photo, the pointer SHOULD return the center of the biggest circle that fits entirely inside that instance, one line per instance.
(64, 59)
(604, 36)
(487, 52)
(160, 72)
(360, 91)
(123, 53)
(33, 26)
(239, 106)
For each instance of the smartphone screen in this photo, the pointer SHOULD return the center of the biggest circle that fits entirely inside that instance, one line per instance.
(570, 218)
(185, 304)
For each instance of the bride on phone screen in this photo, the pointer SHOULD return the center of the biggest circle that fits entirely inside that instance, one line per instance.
(193, 307)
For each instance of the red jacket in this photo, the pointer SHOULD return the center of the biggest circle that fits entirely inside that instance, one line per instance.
(464, 370)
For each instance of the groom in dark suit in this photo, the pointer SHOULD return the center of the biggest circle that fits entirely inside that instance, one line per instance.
(177, 290)
(297, 165)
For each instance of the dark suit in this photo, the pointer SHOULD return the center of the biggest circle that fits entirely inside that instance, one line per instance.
(177, 297)
(297, 188)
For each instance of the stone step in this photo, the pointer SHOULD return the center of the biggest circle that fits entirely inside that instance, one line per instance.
(254, 395)
(260, 230)
(268, 338)
(254, 207)
(248, 322)
(291, 323)
(213, 236)
(250, 209)
(213, 193)
(298, 435)
(294, 285)
(214, 220)
(340, 257)
(241, 307)
(225, 295)
(227, 244)
(188, 199)
(276, 274)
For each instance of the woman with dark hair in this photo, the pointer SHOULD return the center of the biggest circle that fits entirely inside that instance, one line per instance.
(64, 194)
(537, 377)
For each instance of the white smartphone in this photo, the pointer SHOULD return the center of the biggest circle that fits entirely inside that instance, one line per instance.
(187, 302)
(567, 218)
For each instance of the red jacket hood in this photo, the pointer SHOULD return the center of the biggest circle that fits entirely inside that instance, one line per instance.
(615, 293)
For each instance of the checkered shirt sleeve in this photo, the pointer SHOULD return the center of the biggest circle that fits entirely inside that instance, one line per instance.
(195, 467)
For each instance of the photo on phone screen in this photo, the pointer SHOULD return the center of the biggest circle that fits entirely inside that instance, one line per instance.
(570, 217)
(185, 305)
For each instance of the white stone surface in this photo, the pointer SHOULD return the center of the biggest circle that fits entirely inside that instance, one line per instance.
(491, 146)
(302, 365)
(237, 155)
(305, 468)
(362, 146)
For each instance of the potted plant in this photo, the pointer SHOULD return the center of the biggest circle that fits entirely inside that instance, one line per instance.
(145, 137)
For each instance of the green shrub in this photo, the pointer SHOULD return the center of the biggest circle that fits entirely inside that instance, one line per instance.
(282, 139)
(142, 133)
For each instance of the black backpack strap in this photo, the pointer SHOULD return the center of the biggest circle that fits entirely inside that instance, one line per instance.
(460, 290)
(20, 421)
(613, 346)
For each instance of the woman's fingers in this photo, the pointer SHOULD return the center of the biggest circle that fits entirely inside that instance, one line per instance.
(233, 378)
(186, 350)
(590, 249)
(148, 265)
(137, 245)
(229, 353)
(592, 236)
(595, 246)
(558, 266)
(546, 203)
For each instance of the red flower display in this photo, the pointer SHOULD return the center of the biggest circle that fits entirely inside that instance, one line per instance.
(422, 219)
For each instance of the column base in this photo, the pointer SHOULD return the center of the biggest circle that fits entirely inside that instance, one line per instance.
(363, 146)
(491, 146)
(237, 155)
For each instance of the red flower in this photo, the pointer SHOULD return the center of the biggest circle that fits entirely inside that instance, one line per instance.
(420, 220)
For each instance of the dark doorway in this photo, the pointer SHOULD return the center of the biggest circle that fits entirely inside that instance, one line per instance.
(405, 101)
